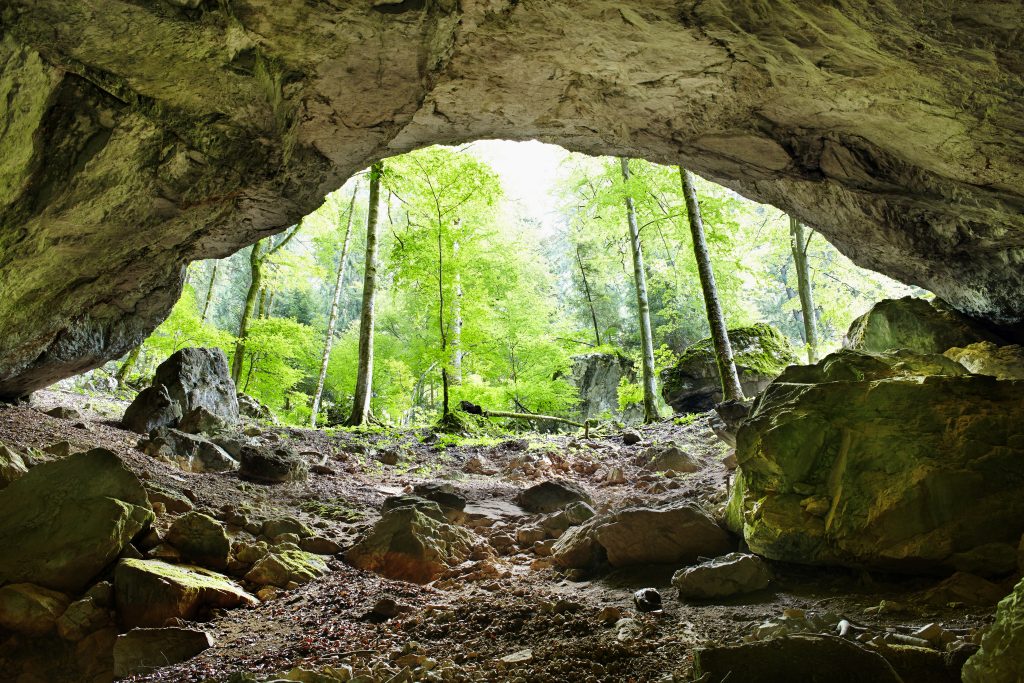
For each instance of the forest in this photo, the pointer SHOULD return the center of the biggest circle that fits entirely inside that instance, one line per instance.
(480, 298)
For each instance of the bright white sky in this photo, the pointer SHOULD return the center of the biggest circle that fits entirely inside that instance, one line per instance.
(529, 172)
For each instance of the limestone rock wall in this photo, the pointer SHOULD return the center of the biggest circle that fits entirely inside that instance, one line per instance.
(139, 136)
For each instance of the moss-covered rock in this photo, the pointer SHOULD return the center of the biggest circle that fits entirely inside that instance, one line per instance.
(149, 592)
(409, 545)
(693, 384)
(200, 539)
(916, 324)
(64, 521)
(894, 461)
(283, 567)
(986, 358)
(29, 609)
(1001, 658)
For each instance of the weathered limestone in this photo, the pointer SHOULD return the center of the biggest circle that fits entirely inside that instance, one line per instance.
(916, 324)
(721, 577)
(985, 358)
(892, 128)
(1000, 660)
(891, 461)
(62, 547)
(596, 377)
(693, 384)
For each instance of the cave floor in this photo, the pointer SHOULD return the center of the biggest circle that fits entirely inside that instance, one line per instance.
(486, 610)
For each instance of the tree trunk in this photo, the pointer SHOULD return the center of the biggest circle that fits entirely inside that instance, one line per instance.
(332, 320)
(255, 284)
(590, 301)
(803, 277)
(127, 365)
(445, 407)
(731, 388)
(457, 324)
(209, 290)
(364, 378)
(643, 307)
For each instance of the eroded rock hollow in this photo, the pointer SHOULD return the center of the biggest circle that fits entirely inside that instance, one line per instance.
(138, 136)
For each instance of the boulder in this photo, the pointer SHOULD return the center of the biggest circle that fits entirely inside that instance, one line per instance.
(669, 457)
(409, 545)
(65, 413)
(149, 592)
(272, 528)
(190, 452)
(152, 408)
(30, 609)
(677, 534)
(551, 496)
(271, 465)
(793, 658)
(142, 650)
(281, 568)
(573, 514)
(199, 377)
(200, 539)
(693, 385)
(63, 547)
(442, 493)
(985, 358)
(892, 461)
(82, 618)
(12, 466)
(253, 409)
(722, 577)
(201, 421)
(172, 501)
(916, 324)
(596, 377)
(1001, 658)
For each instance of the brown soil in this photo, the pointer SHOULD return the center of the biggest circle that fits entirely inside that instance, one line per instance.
(484, 610)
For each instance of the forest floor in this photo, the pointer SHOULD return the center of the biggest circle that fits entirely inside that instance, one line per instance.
(486, 610)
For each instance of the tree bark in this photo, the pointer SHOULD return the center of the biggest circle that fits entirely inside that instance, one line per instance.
(209, 290)
(803, 277)
(332, 320)
(457, 318)
(590, 300)
(731, 388)
(127, 365)
(255, 283)
(364, 378)
(643, 307)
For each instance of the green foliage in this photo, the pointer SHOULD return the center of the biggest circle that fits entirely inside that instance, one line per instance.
(278, 353)
(630, 394)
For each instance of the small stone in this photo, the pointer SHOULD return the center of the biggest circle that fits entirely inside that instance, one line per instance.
(631, 437)
(609, 615)
(527, 536)
(65, 413)
(520, 657)
(268, 593)
(60, 449)
(647, 600)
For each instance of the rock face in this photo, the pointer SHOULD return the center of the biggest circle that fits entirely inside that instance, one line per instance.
(678, 534)
(1000, 660)
(118, 170)
(596, 377)
(693, 385)
(191, 389)
(985, 358)
(62, 547)
(915, 324)
(893, 461)
(412, 545)
(149, 592)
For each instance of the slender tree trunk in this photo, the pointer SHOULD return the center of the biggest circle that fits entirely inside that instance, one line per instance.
(590, 301)
(255, 284)
(364, 378)
(731, 388)
(457, 323)
(209, 290)
(445, 407)
(127, 365)
(332, 320)
(643, 307)
(803, 278)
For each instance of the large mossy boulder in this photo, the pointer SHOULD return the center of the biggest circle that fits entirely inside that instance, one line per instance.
(892, 461)
(1001, 658)
(916, 324)
(412, 544)
(693, 384)
(284, 567)
(149, 592)
(64, 521)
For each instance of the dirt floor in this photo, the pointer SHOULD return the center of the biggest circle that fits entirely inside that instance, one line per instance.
(476, 623)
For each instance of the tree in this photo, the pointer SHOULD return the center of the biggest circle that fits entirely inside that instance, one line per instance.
(258, 256)
(332, 320)
(642, 304)
(731, 389)
(799, 247)
(364, 379)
